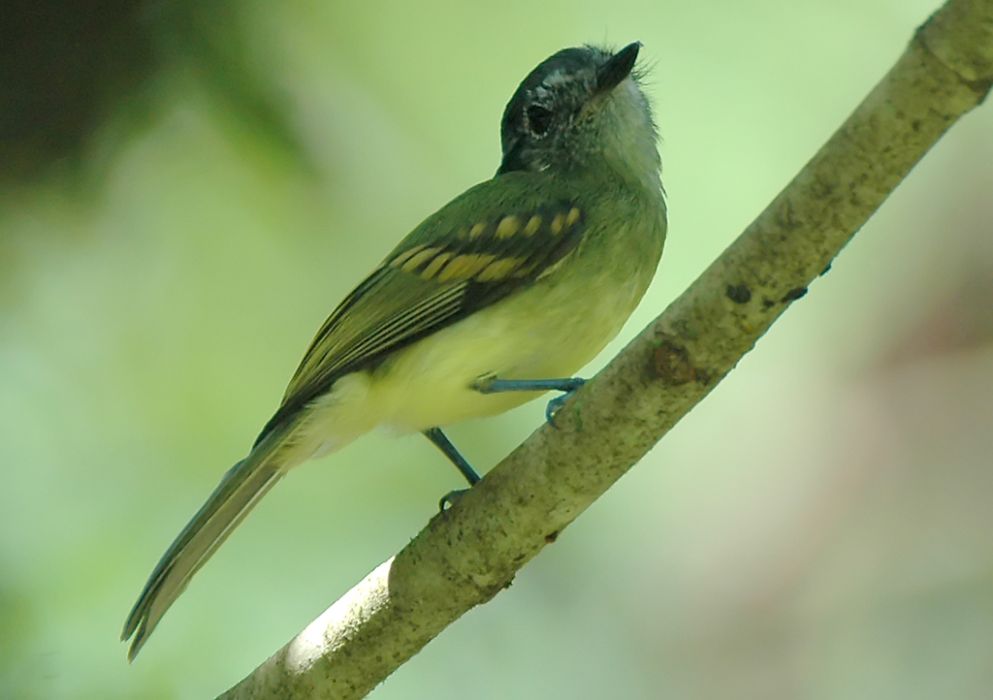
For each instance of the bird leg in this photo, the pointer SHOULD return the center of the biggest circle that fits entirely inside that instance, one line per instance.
(441, 441)
(567, 385)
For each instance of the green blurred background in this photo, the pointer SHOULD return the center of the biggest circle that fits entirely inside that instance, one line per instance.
(187, 189)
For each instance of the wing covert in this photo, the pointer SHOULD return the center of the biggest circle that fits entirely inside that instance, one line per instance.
(436, 276)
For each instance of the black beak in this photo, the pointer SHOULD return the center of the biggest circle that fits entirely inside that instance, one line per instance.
(617, 68)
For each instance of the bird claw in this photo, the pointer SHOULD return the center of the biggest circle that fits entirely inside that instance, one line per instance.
(450, 499)
(556, 404)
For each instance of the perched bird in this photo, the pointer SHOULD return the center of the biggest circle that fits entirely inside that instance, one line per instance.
(501, 295)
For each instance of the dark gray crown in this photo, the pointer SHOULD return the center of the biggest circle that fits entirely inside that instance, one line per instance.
(546, 104)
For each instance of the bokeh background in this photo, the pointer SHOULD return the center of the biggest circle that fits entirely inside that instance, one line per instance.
(187, 189)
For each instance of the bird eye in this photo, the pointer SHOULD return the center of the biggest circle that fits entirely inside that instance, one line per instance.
(538, 119)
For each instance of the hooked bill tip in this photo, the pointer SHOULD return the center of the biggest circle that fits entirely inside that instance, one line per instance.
(617, 67)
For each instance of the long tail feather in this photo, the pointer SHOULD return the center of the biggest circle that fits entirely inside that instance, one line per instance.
(240, 489)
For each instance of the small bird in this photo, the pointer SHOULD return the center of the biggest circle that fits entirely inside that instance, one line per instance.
(501, 295)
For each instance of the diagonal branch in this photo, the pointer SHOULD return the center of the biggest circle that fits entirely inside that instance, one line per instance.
(467, 555)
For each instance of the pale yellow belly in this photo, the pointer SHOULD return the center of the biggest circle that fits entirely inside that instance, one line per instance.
(547, 331)
(541, 335)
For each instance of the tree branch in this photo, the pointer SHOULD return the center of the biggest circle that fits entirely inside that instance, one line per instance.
(467, 555)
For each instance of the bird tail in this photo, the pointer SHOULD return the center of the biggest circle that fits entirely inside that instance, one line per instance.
(240, 489)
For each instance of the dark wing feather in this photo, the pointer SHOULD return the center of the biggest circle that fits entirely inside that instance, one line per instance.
(436, 276)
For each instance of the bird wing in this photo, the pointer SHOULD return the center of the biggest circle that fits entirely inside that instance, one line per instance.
(493, 240)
